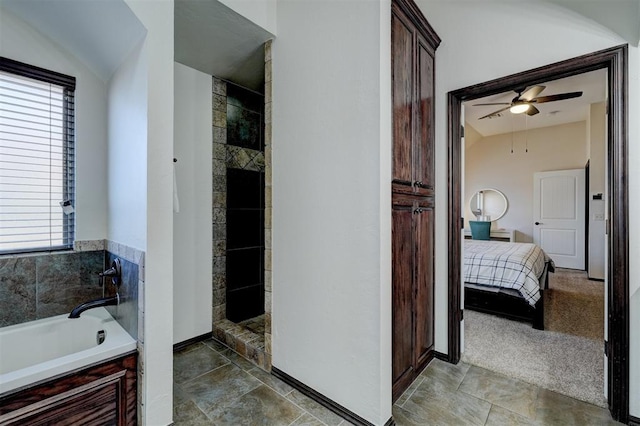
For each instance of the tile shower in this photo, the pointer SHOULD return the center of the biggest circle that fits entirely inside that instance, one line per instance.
(242, 217)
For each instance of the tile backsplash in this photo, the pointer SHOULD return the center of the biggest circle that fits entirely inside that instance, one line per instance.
(44, 285)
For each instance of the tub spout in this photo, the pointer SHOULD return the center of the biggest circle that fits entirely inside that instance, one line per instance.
(104, 301)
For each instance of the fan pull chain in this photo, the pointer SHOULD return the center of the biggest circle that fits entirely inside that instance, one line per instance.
(512, 131)
(526, 133)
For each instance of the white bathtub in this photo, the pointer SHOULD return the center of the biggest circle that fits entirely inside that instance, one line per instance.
(37, 350)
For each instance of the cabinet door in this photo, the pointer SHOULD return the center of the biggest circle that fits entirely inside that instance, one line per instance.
(99, 395)
(424, 136)
(424, 284)
(402, 68)
(402, 310)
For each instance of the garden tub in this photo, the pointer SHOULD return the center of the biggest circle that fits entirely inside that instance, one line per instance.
(38, 350)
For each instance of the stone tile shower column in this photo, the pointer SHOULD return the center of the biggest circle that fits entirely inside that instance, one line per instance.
(268, 283)
(238, 156)
(219, 199)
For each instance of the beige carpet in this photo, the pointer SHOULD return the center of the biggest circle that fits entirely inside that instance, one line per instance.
(574, 305)
(566, 357)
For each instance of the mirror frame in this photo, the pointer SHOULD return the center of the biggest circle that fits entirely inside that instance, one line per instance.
(504, 197)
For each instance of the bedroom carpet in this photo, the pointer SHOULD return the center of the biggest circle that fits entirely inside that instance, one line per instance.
(574, 305)
(566, 357)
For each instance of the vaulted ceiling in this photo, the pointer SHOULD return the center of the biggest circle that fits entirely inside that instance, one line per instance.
(620, 16)
(214, 39)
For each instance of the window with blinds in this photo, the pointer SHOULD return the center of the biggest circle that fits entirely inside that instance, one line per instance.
(36, 158)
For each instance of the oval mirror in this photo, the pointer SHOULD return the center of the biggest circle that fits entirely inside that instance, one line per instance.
(488, 204)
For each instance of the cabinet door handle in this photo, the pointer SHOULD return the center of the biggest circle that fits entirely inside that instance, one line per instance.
(419, 210)
(539, 223)
(419, 184)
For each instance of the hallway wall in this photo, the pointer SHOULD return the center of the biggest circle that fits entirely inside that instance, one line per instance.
(332, 201)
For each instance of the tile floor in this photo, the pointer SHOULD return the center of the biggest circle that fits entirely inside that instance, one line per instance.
(463, 394)
(255, 325)
(215, 386)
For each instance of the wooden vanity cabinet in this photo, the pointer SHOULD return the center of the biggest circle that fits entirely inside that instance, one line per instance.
(413, 45)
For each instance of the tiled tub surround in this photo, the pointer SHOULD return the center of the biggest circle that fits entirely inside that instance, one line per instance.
(126, 313)
(36, 286)
(44, 285)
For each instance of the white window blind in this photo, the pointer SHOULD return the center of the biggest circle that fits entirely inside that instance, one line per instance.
(36, 158)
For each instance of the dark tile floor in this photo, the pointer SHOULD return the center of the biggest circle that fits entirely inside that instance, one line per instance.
(215, 386)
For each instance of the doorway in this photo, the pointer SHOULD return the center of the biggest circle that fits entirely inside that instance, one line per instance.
(617, 348)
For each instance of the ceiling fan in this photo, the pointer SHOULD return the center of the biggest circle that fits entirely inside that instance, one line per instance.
(523, 103)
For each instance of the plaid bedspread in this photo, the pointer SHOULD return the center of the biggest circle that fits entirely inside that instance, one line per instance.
(505, 265)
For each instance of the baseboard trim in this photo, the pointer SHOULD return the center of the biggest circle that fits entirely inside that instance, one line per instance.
(441, 356)
(323, 400)
(181, 345)
(634, 421)
(595, 279)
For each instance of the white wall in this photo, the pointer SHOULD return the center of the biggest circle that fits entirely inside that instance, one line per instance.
(634, 241)
(157, 53)
(331, 201)
(597, 135)
(489, 163)
(192, 226)
(21, 42)
(260, 12)
(475, 49)
(127, 152)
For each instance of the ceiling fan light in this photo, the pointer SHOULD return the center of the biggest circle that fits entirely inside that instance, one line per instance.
(519, 108)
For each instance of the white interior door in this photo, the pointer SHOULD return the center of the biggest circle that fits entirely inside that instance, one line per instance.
(559, 216)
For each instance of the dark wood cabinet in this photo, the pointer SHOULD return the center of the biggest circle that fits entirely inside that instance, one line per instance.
(413, 44)
(103, 394)
(413, 287)
(413, 49)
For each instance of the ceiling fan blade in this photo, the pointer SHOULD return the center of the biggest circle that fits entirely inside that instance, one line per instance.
(532, 110)
(531, 93)
(498, 103)
(558, 97)
(495, 112)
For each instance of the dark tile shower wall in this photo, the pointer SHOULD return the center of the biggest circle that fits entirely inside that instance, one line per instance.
(245, 244)
(244, 118)
(40, 286)
(245, 204)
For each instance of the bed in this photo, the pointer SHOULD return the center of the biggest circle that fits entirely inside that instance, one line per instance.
(506, 279)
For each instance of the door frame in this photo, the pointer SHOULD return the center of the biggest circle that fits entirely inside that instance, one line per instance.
(615, 61)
